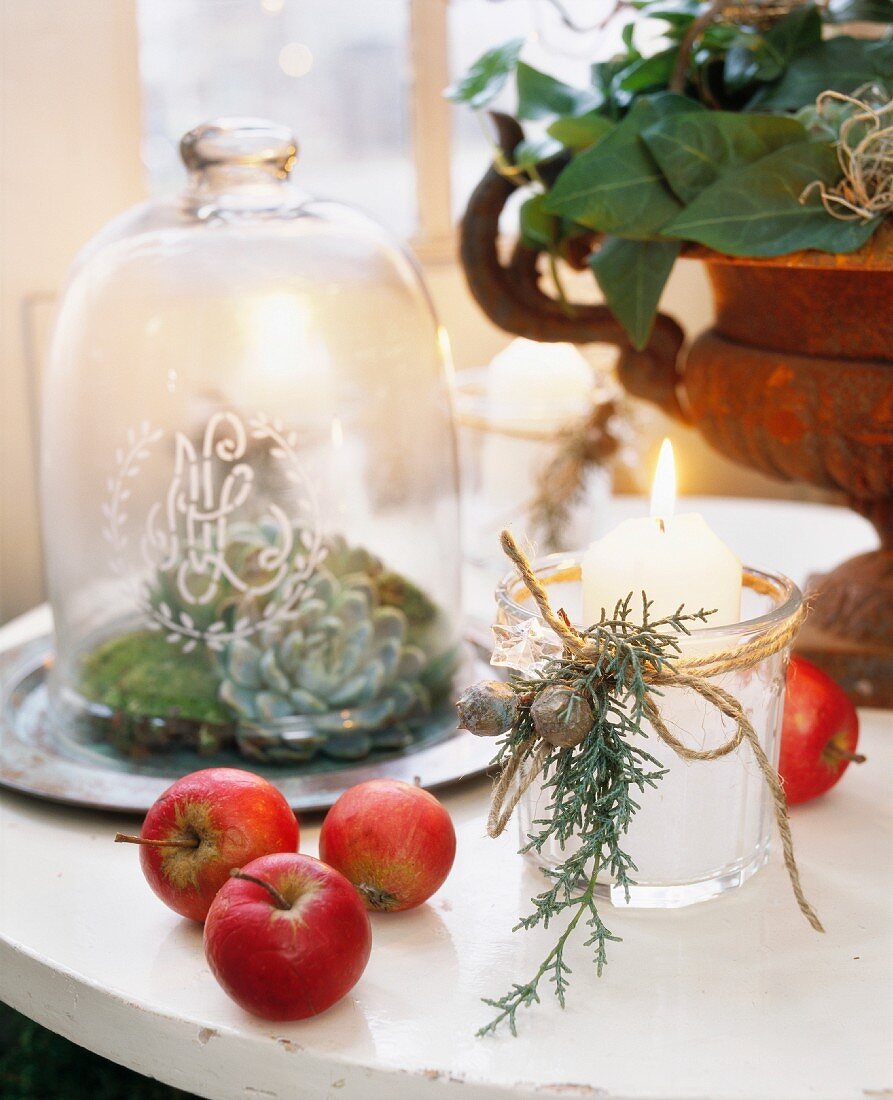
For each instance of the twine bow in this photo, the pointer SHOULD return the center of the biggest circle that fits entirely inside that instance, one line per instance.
(694, 673)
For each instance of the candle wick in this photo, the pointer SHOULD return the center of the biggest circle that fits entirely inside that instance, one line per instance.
(661, 525)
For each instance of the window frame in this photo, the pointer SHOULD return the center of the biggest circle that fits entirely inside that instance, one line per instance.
(431, 130)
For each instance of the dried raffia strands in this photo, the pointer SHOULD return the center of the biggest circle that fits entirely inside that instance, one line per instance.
(865, 153)
(562, 481)
(691, 673)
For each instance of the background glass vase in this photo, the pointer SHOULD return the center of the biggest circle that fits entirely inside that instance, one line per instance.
(706, 827)
(243, 521)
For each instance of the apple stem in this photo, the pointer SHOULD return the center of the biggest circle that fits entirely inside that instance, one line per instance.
(125, 838)
(838, 753)
(377, 899)
(278, 899)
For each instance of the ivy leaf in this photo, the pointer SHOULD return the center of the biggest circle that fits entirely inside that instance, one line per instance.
(627, 35)
(538, 229)
(531, 151)
(765, 57)
(840, 64)
(816, 125)
(616, 186)
(605, 78)
(756, 210)
(632, 276)
(748, 60)
(717, 38)
(684, 11)
(678, 18)
(825, 124)
(695, 149)
(542, 96)
(798, 31)
(578, 132)
(651, 72)
(487, 76)
(860, 11)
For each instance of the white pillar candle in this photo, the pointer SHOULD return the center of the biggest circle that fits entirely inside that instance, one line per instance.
(540, 385)
(699, 817)
(532, 392)
(673, 559)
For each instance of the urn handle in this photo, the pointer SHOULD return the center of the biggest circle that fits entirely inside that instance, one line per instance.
(510, 294)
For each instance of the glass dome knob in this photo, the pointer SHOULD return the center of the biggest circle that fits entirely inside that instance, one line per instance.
(240, 143)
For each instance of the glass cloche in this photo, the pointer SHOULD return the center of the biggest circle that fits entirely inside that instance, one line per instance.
(248, 475)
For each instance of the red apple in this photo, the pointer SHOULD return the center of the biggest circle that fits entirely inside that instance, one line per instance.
(819, 733)
(395, 842)
(287, 937)
(202, 827)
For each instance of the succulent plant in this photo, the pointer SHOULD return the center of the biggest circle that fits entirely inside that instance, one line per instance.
(356, 662)
(391, 589)
(349, 672)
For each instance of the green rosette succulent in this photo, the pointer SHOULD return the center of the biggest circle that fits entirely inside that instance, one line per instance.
(357, 666)
(343, 675)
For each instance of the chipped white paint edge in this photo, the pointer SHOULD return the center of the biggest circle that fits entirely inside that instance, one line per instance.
(187, 1055)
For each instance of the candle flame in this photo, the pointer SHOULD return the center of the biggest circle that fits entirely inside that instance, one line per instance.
(663, 488)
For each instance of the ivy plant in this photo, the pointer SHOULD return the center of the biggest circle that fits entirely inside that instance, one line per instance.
(712, 139)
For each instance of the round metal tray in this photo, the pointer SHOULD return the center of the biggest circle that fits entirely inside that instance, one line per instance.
(36, 760)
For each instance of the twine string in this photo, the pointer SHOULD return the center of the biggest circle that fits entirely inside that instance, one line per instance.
(691, 673)
(508, 789)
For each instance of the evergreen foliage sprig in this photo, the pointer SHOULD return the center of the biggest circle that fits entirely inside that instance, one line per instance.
(590, 787)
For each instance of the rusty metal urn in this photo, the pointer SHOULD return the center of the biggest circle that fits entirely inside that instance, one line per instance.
(794, 379)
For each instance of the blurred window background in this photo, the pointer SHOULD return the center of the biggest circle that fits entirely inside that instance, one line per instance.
(336, 71)
(349, 77)
(108, 88)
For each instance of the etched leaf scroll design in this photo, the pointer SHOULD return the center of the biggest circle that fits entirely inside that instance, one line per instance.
(187, 533)
(128, 461)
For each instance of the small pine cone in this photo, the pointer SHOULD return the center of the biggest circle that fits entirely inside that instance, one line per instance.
(561, 716)
(488, 708)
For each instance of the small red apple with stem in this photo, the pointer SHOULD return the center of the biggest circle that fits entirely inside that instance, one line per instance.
(287, 937)
(394, 841)
(202, 827)
(819, 733)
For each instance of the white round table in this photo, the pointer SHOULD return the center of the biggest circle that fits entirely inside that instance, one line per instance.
(736, 999)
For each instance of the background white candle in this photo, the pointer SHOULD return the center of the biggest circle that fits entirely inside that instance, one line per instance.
(674, 559)
(542, 385)
(532, 392)
(511, 415)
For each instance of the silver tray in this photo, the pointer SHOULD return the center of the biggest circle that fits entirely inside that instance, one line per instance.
(37, 760)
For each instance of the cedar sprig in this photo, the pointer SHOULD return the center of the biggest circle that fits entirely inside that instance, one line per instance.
(592, 788)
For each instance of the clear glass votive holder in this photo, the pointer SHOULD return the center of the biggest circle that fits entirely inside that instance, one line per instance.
(504, 451)
(706, 827)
